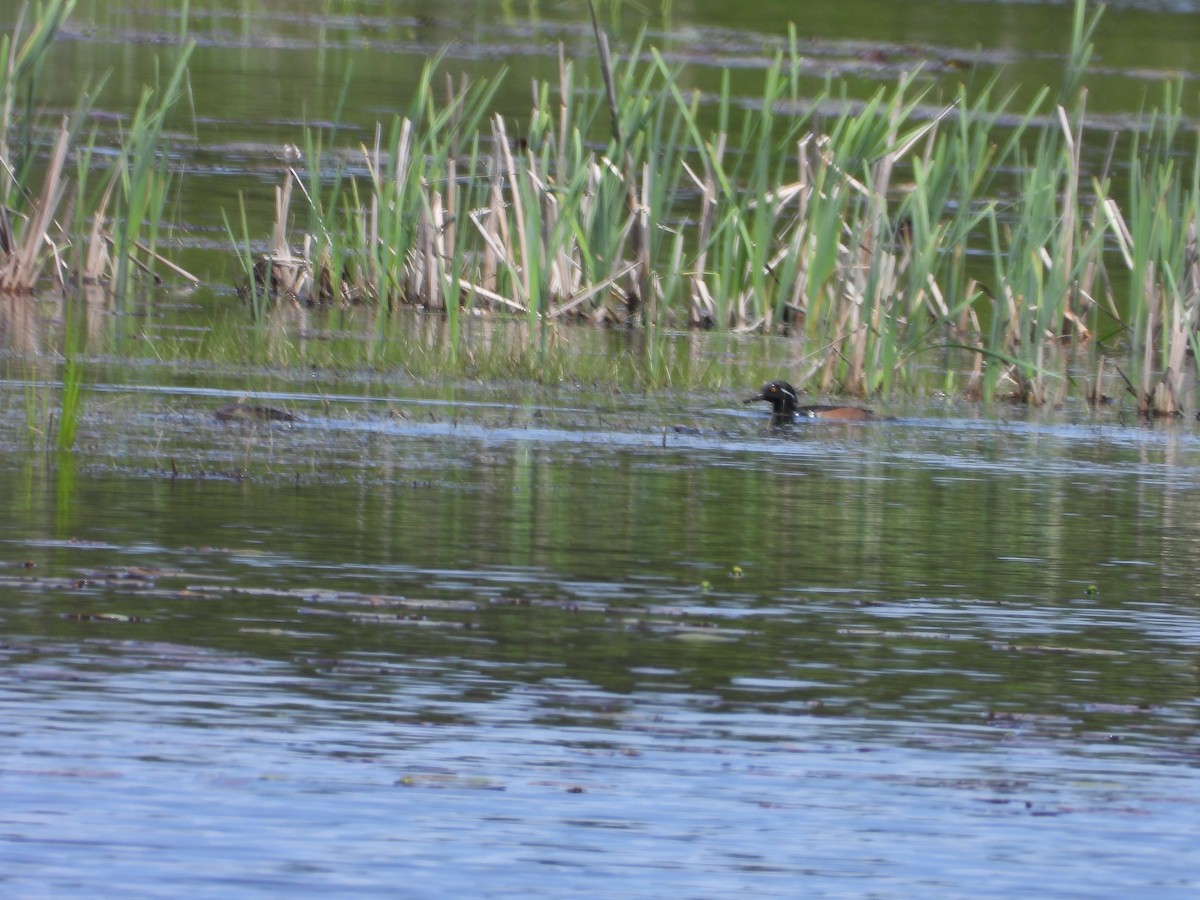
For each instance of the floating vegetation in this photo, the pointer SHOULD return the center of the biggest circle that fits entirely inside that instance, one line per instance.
(253, 413)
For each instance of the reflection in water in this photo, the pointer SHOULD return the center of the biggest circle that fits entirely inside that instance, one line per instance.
(32, 325)
(20, 330)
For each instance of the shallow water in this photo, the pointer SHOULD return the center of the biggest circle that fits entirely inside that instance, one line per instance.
(511, 639)
(500, 646)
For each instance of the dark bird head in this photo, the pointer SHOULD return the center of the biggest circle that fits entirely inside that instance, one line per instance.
(782, 397)
(785, 408)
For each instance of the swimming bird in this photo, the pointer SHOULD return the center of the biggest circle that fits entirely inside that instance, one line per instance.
(784, 408)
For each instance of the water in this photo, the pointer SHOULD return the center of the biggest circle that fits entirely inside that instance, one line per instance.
(503, 638)
(494, 648)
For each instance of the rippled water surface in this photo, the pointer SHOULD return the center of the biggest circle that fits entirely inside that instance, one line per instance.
(542, 644)
(439, 637)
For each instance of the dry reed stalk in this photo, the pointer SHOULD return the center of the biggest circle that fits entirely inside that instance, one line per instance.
(279, 272)
(564, 109)
(846, 323)
(97, 261)
(700, 307)
(940, 308)
(142, 267)
(1153, 323)
(797, 302)
(702, 310)
(455, 100)
(60, 266)
(494, 251)
(487, 230)
(441, 274)
(413, 287)
(857, 329)
(418, 273)
(162, 260)
(1120, 228)
(283, 202)
(403, 162)
(556, 273)
(639, 213)
(642, 248)
(1065, 250)
(20, 268)
(1169, 392)
(570, 267)
(490, 296)
(448, 246)
(371, 228)
(1095, 268)
(582, 297)
(518, 208)
(438, 276)
(494, 240)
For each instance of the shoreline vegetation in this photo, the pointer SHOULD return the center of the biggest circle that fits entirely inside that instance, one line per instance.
(883, 236)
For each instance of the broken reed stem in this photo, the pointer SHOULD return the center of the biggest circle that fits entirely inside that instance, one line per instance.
(21, 267)
(518, 208)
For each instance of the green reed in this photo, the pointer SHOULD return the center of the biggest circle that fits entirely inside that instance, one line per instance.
(37, 407)
(71, 394)
(1157, 234)
(97, 247)
(880, 234)
(24, 56)
(142, 174)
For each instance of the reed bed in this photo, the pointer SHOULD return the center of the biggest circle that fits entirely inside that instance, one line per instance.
(107, 233)
(880, 234)
(883, 236)
(82, 237)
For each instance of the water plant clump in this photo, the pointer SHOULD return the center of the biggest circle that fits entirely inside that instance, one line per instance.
(882, 236)
(855, 227)
(108, 233)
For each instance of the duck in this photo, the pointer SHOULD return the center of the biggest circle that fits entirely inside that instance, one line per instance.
(784, 408)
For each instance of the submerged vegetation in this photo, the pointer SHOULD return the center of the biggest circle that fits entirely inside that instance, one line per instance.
(885, 237)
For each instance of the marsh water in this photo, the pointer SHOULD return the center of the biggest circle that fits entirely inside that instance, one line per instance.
(529, 642)
(532, 637)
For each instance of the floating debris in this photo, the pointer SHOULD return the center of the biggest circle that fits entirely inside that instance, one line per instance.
(1046, 648)
(247, 412)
